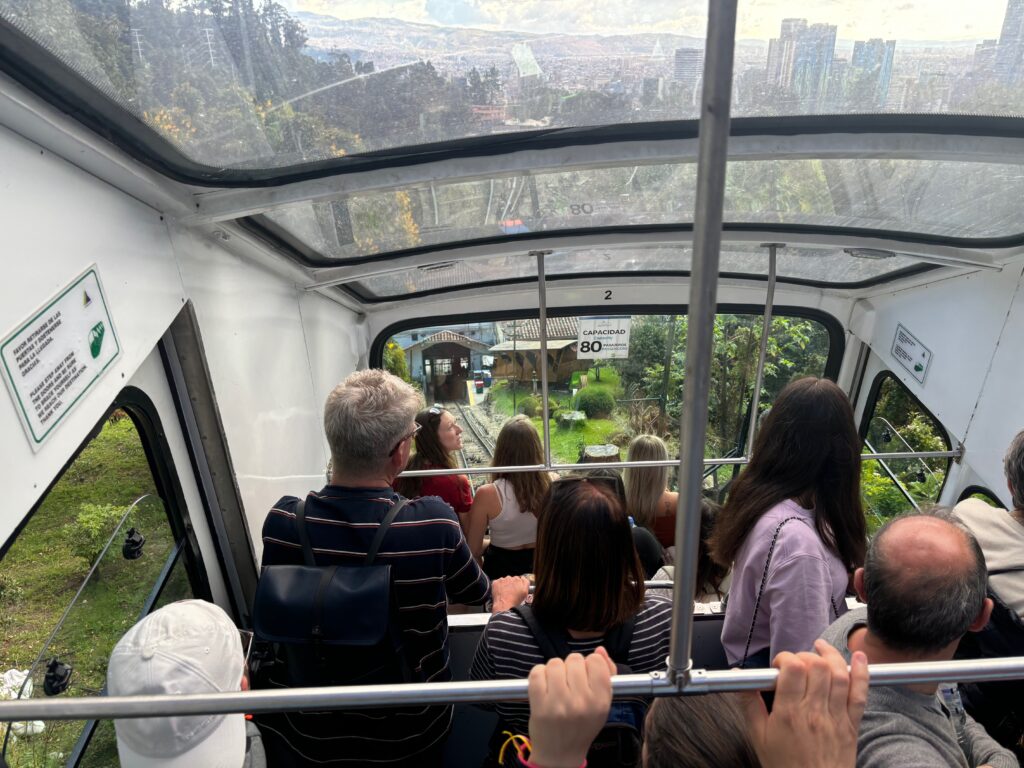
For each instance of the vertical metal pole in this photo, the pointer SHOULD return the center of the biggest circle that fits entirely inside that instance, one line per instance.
(766, 329)
(712, 154)
(542, 296)
(515, 374)
(670, 338)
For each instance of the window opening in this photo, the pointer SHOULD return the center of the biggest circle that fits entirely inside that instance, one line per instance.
(605, 402)
(982, 494)
(897, 422)
(106, 491)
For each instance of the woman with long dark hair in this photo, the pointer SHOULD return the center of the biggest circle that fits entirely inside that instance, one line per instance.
(437, 440)
(793, 527)
(589, 592)
(509, 503)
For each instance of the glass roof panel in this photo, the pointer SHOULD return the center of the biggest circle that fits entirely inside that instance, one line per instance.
(954, 199)
(833, 267)
(241, 84)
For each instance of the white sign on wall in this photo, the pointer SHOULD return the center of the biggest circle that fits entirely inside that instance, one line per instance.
(911, 353)
(603, 338)
(54, 357)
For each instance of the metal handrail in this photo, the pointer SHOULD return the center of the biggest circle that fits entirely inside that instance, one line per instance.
(469, 692)
(711, 462)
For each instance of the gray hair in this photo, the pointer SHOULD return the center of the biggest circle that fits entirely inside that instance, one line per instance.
(922, 611)
(1013, 466)
(366, 416)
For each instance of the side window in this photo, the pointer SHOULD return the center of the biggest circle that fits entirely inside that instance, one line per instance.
(98, 552)
(896, 422)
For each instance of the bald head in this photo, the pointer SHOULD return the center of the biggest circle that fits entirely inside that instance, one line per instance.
(925, 582)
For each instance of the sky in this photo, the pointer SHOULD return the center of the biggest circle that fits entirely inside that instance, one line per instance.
(856, 19)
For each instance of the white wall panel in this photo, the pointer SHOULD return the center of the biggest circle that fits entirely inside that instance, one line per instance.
(270, 393)
(57, 220)
(1000, 412)
(959, 320)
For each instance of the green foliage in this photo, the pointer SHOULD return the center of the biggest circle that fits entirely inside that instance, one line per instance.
(94, 524)
(597, 403)
(111, 470)
(796, 348)
(395, 362)
(530, 406)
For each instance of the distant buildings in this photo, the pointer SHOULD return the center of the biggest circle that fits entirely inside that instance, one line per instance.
(689, 65)
(806, 76)
(871, 73)
(1010, 49)
(800, 60)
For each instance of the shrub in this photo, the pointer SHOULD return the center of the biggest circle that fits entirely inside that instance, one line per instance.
(93, 525)
(530, 406)
(597, 403)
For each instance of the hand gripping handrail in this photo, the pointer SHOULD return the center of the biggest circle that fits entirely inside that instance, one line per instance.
(475, 692)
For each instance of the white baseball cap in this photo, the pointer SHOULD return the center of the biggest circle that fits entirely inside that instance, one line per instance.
(187, 647)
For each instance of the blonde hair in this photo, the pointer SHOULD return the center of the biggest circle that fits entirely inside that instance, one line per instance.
(645, 485)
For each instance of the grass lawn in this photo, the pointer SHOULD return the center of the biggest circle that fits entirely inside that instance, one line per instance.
(40, 575)
(565, 443)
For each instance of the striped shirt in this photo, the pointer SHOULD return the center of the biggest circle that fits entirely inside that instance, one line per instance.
(507, 651)
(431, 564)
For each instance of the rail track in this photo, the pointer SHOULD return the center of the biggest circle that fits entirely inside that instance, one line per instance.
(481, 447)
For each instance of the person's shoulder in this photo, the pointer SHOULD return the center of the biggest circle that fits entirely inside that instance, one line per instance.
(655, 608)
(428, 509)
(838, 631)
(282, 513)
(976, 513)
(504, 624)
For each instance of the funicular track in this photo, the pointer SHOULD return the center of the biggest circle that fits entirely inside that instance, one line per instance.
(481, 442)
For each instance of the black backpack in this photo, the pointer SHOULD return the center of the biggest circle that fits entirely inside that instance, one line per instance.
(324, 625)
(996, 705)
(620, 741)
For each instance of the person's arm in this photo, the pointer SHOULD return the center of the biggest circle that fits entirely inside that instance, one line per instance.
(982, 750)
(817, 711)
(465, 492)
(508, 592)
(280, 539)
(486, 506)
(464, 582)
(798, 596)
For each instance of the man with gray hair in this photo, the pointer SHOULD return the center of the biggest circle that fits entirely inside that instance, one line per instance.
(370, 422)
(1001, 532)
(924, 583)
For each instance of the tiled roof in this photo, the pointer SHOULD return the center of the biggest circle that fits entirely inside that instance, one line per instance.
(529, 330)
(442, 337)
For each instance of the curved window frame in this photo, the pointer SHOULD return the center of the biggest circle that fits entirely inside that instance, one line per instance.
(869, 412)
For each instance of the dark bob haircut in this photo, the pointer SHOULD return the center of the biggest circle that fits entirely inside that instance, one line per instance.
(588, 574)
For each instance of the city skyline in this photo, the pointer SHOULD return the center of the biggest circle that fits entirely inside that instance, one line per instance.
(933, 20)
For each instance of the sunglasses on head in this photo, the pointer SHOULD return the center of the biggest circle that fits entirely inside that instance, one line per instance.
(435, 410)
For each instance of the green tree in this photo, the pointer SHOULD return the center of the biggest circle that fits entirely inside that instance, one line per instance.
(395, 362)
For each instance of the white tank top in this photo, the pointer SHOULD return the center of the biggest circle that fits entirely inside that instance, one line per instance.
(511, 528)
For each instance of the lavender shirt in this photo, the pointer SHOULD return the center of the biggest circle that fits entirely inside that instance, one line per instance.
(804, 593)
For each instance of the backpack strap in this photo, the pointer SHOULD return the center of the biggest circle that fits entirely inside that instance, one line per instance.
(618, 640)
(552, 646)
(300, 525)
(382, 529)
(555, 645)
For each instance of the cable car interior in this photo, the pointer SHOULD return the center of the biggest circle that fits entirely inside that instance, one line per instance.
(215, 212)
